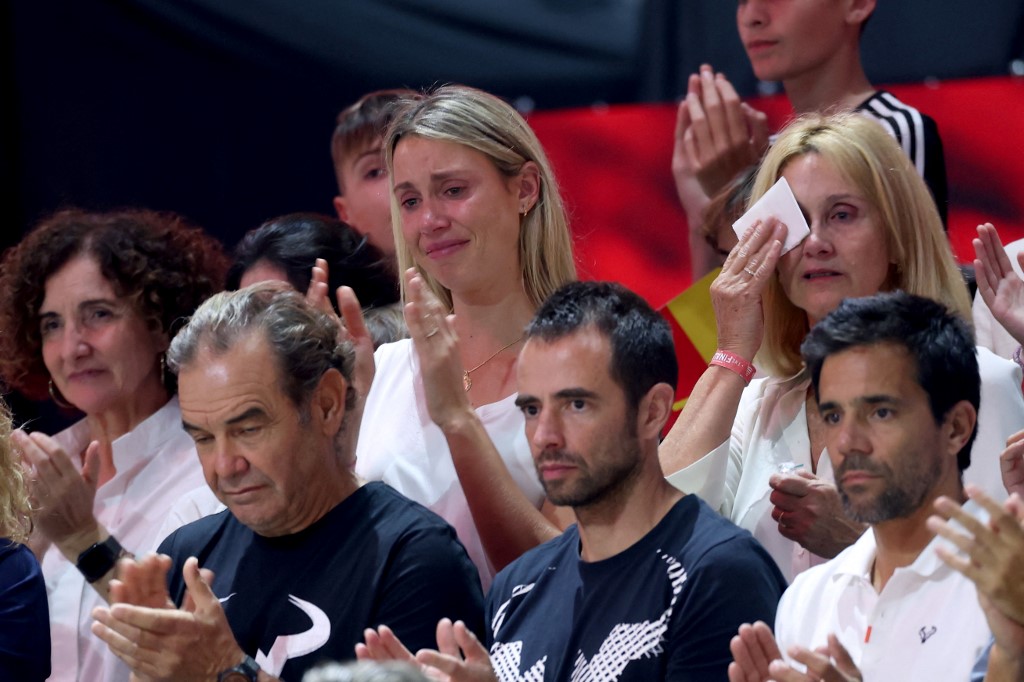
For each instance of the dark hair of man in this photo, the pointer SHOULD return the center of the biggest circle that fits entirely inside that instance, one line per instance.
(363, 122)
(293, 242)
(643, 353)
(940, 343)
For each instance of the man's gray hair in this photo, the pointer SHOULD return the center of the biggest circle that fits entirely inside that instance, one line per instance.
(303, 339)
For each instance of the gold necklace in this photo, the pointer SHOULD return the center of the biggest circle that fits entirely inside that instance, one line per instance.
(467, 383)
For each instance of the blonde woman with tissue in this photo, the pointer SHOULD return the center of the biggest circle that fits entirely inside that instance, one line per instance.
(753, 449)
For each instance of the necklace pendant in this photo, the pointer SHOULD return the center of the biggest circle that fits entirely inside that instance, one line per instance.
(467, 383)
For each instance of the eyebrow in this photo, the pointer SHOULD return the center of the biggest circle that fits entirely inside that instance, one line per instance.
(830, 199)
(84, 304)
(377, 151)
(575, 393)
(251, 413)
(833, 198)
(865, 400)
(565, 393)
(440, 176)
(523, 400)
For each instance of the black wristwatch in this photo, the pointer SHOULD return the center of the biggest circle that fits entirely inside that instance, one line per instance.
(94, 562)
(246, 671)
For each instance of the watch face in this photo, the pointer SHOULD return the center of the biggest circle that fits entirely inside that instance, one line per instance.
(95, 562)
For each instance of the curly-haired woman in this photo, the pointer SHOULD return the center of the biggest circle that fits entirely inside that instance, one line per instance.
(89, 304)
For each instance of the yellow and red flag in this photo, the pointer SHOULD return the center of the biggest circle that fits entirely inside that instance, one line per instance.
(692, 318)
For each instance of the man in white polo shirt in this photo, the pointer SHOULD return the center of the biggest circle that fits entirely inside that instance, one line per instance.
(898, 391)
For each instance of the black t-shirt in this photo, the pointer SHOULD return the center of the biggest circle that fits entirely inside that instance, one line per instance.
(663, 609)
(294, 601)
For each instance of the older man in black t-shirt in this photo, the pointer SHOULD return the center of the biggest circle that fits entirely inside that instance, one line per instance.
(304, 558)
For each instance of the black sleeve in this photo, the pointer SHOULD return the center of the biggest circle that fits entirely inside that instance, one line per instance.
(935, 168)
(735, 582)
(429, 577)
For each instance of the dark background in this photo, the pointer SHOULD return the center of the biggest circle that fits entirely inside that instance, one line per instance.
(222, 109)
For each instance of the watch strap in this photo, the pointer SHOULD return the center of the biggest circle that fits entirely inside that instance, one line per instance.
(248, 670)
(97, 560)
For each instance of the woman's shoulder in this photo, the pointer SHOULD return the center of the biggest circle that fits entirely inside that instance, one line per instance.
(16, 562)
(393, 358)
(999, 375)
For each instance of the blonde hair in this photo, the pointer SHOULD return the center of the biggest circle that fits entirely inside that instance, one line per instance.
(864, 153)
(15, 513)
(487, 124)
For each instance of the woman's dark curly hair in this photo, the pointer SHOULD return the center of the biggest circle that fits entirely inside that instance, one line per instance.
(164, 264)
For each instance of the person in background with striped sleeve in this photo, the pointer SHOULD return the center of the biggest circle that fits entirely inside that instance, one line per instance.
(813, 48)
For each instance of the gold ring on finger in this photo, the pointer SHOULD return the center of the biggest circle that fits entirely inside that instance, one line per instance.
(750, 272)
(432, 332)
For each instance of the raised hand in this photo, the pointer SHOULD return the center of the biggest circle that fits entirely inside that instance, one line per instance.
(809, 511)
(1011, 464)
(828, 664)
(142, 582)
(164, 643)
(61, 496)
(737, 291)
(460, 656)
(351, 325)
(998, 283)
(717, 135)
(993, 552)
(753, 649)
(437, 346)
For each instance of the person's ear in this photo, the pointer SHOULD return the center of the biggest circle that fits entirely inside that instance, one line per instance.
(528, 181)
(958, 426)
(654, 410)
(329, 401)
(341, 208)
(859, 11)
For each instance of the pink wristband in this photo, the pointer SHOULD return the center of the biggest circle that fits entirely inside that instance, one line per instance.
(734, 363)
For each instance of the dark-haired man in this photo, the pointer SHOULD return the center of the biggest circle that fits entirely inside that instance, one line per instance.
(650, 584)
(898, 389)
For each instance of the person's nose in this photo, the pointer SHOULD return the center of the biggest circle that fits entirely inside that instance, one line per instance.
(751, 14)
(547, 432)
(818, 243)
(849, 437)
(74, 343)
(433, 216)
(229, 462)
